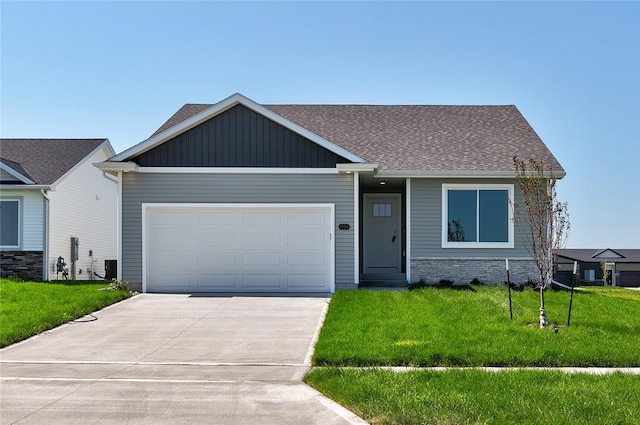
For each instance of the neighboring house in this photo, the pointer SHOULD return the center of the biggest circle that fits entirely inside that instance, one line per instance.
(623, 266)
(239, 196)
(50, 192)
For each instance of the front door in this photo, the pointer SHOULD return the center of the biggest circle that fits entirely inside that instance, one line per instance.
(382, 233)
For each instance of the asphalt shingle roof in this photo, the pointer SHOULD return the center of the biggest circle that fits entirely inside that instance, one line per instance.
(417, 137)
(45, 160)
(587, 255)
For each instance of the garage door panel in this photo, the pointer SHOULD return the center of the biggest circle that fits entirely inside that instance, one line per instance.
(306, 259)
(218, 282)
(218, 238)
(220, 218)
(176, 238)
(261, 218)
(306, 281)
(253, 248)
(262, 238)
(261, 260)
(304, 238)
(171, 280)
(217, 259)
(307, 218)
(171, 218)
(169, 259)
(262, 281)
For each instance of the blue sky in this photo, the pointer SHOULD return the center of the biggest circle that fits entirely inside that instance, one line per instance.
(120, 69)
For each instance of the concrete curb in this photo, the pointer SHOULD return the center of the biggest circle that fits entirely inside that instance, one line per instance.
(570, 370)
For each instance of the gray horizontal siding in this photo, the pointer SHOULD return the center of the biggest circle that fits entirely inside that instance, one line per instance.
(141, 188)
(426, 223)
(239, 137)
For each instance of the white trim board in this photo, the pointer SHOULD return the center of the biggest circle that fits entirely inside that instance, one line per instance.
(236, 170)
(408, 230)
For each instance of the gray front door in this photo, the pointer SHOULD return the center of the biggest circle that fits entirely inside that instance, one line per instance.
(382, 232)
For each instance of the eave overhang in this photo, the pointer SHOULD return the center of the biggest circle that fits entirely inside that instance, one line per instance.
(458, 174)
(353, 168)
(115, 167)
(25, 186)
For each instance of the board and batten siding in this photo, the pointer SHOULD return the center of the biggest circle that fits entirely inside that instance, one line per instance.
(426, 223)
(239, 137)
(31, 217)
(84, 205)
(139, 188)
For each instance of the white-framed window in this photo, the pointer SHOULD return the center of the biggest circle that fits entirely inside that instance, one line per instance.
(477, 216)
(10, 221)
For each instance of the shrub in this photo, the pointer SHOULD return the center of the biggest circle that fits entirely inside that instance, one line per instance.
(422, 283)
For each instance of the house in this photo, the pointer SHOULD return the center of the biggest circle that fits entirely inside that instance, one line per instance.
(239, 196)
(623, 266)
(51, 195)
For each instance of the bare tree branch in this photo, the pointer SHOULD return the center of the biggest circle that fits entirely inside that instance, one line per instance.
(545, 225)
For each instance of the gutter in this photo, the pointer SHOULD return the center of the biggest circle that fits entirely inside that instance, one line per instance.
(445, 174)
(25, 187)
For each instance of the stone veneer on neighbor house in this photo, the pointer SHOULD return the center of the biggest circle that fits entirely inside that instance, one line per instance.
(24, 264)
(462, 271)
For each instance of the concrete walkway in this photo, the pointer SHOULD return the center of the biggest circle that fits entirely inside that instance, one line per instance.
(172, 359)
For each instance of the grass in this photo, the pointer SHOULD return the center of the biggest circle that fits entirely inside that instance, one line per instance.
(28, 308)
(476, 397)
(615, 292)
(449, 327)
(446, 327)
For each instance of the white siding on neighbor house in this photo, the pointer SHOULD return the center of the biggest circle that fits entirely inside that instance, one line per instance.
(426, 223)
(32, 218)
(141, 188)
(84, 205)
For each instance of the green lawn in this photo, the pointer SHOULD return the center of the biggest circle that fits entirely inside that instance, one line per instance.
(447, 327)
(475, 397)
(28, 308)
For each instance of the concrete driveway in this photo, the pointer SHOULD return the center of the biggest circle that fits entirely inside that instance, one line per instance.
(172, 359)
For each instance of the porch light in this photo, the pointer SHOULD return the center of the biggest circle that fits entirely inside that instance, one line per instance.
(382, 182)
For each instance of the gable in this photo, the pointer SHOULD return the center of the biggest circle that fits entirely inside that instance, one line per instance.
(45, 161)
(607, 253)
(12, 172)
(239, 137)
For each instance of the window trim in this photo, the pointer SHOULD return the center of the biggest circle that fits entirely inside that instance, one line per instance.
(469, 186)
(19, 200)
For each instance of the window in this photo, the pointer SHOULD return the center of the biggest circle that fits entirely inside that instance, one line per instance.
(10, 223)
(382, 210)
(477, 216)
(590, 275)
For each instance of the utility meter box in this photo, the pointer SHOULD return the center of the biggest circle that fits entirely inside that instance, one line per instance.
(75, 248)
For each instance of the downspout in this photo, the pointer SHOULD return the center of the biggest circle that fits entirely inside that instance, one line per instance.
(119, 228)
(45, 248)
(356, 228)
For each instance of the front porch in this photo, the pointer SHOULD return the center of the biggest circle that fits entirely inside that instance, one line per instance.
(383, 232)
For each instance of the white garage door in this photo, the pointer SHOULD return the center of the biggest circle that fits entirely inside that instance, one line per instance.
(238, 248)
